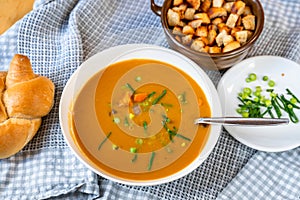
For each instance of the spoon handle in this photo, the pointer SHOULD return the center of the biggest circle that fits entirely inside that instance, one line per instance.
(242, 121)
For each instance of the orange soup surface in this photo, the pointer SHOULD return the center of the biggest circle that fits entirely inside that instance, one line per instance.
(134, 120)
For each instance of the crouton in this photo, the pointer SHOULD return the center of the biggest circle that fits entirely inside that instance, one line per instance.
(198, 45)
(222, 26)
(203, 16)
(216, 12)
(212, 27)
(227, 39)
(227, 6)
(205, 40)
(187, 39)
(238, 7)
(180, 10)
(211, 36)
(195, 23)
(232, 19)
(249, 22)
(231, 46)
(177, 30)
(173, 18)
(219, 38)
(249, 34)
(241, 36)
(214, 49)
(205, 5)
(178, 38)
(201, 31)
(236, 29)
(187, 30)
(217, 21)
(194, 3)
(189, 13)
(217, 3)
(239, 21)
(177, 2)
(247, 11)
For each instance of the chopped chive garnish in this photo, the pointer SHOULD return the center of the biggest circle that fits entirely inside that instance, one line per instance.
(166, 119)
(290, 93)
(117, 120)
(115, 147)
(265, 78)
(151, 161)
(151, 94)
(167, 105)
(138, 79)
(164, 92)
(130, 87)
(134, 158)
(183, 137)
(139, 141)
(254, 104)
(104, 140)
(252, 77)
(182, 97)
(271, 83)
(126, 122)
(145, 125)
(133, 149)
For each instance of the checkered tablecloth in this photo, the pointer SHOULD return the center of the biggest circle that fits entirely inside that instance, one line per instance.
(58, 35)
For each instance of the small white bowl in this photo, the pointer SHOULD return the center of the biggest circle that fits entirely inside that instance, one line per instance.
(125, 52)
(286, 75)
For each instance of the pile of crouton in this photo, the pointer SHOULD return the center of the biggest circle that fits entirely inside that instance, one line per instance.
(211, 26)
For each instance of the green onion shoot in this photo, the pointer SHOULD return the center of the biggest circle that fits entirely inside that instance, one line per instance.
(155, 101)
(104, 140)
(151, 161)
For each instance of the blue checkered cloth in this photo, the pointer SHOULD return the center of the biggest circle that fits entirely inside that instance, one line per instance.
(58, 35)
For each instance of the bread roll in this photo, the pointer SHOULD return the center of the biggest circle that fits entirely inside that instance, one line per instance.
(15, 134)
(25, 98)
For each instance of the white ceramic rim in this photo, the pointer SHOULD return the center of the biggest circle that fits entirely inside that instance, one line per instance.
(120, 53)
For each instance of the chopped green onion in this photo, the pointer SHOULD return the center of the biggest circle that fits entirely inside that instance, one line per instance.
(252, 77)
(166, 119)
(247, 91)
(245, 114)
(133, 149)
(104, 140)
(151, 94)
(265, 78)
(151, 161)
(130, 87)
(116, 120)
(139, 141)
(183, 137)
(126, 122)
(271, 83)
(167, 105)
(138, 79)
(290, 93)
(182, 97)
(164, 92)
(115, 147)
(293, 100)
(134, 158)
(145, 125)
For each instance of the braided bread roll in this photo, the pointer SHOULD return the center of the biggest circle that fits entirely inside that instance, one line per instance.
(25, 98)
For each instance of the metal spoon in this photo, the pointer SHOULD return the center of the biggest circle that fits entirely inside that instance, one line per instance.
(243, 121)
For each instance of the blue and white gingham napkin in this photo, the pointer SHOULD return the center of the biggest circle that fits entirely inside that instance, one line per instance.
(58, 35)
